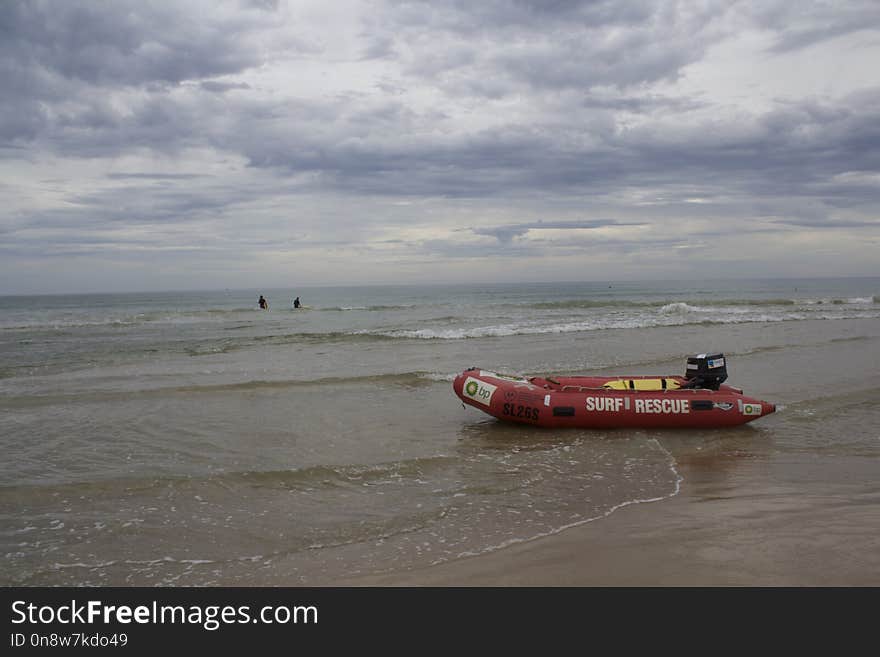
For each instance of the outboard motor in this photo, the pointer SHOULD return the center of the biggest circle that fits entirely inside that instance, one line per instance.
(705, 371)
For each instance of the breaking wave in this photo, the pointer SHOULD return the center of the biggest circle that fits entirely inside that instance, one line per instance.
(676, 314)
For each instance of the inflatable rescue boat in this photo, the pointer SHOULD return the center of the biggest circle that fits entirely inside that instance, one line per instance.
(699, 399)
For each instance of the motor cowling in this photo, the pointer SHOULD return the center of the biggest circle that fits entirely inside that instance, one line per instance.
(705, 371)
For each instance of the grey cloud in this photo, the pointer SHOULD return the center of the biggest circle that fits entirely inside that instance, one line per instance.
(132, 205)
(469, 18)
(379, 46)
(222, 87)
(493, 48)
(506, 233)
(641, 104)
(828, 223)
(155, 176)
(783, 150)
(506, 104)
(804, 24)
(455, 249)
(355, 145)
(106, 66)
(124, 42)
(792, 150)
(578, 63)
(265, 5)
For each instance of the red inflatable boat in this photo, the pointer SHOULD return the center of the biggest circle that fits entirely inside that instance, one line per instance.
(699, 399)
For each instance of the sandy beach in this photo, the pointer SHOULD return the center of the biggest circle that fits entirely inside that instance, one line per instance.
(707, 535)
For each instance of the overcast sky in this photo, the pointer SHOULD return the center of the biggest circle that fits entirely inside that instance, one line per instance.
(164, 145)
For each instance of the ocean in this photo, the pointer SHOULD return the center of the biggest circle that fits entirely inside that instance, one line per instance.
(189, 438)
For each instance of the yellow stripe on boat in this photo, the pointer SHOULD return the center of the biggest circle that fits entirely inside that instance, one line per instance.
(643, 384)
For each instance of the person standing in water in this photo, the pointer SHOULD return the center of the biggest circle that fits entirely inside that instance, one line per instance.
(296, 303)
(264, 305)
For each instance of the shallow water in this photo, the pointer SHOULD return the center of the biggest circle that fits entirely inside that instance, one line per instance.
(177, 439)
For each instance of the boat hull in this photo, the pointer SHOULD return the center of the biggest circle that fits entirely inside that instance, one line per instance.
(586, 402)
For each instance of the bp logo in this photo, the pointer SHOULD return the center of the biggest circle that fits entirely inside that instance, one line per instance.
(752, 409)
(479, 391)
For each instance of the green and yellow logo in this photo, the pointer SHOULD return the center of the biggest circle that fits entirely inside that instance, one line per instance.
(479, 391)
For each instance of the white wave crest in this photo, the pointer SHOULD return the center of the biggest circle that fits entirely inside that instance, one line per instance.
(679, 308)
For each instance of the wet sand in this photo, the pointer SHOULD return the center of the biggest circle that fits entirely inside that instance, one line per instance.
(791, 500)
(759, 534)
